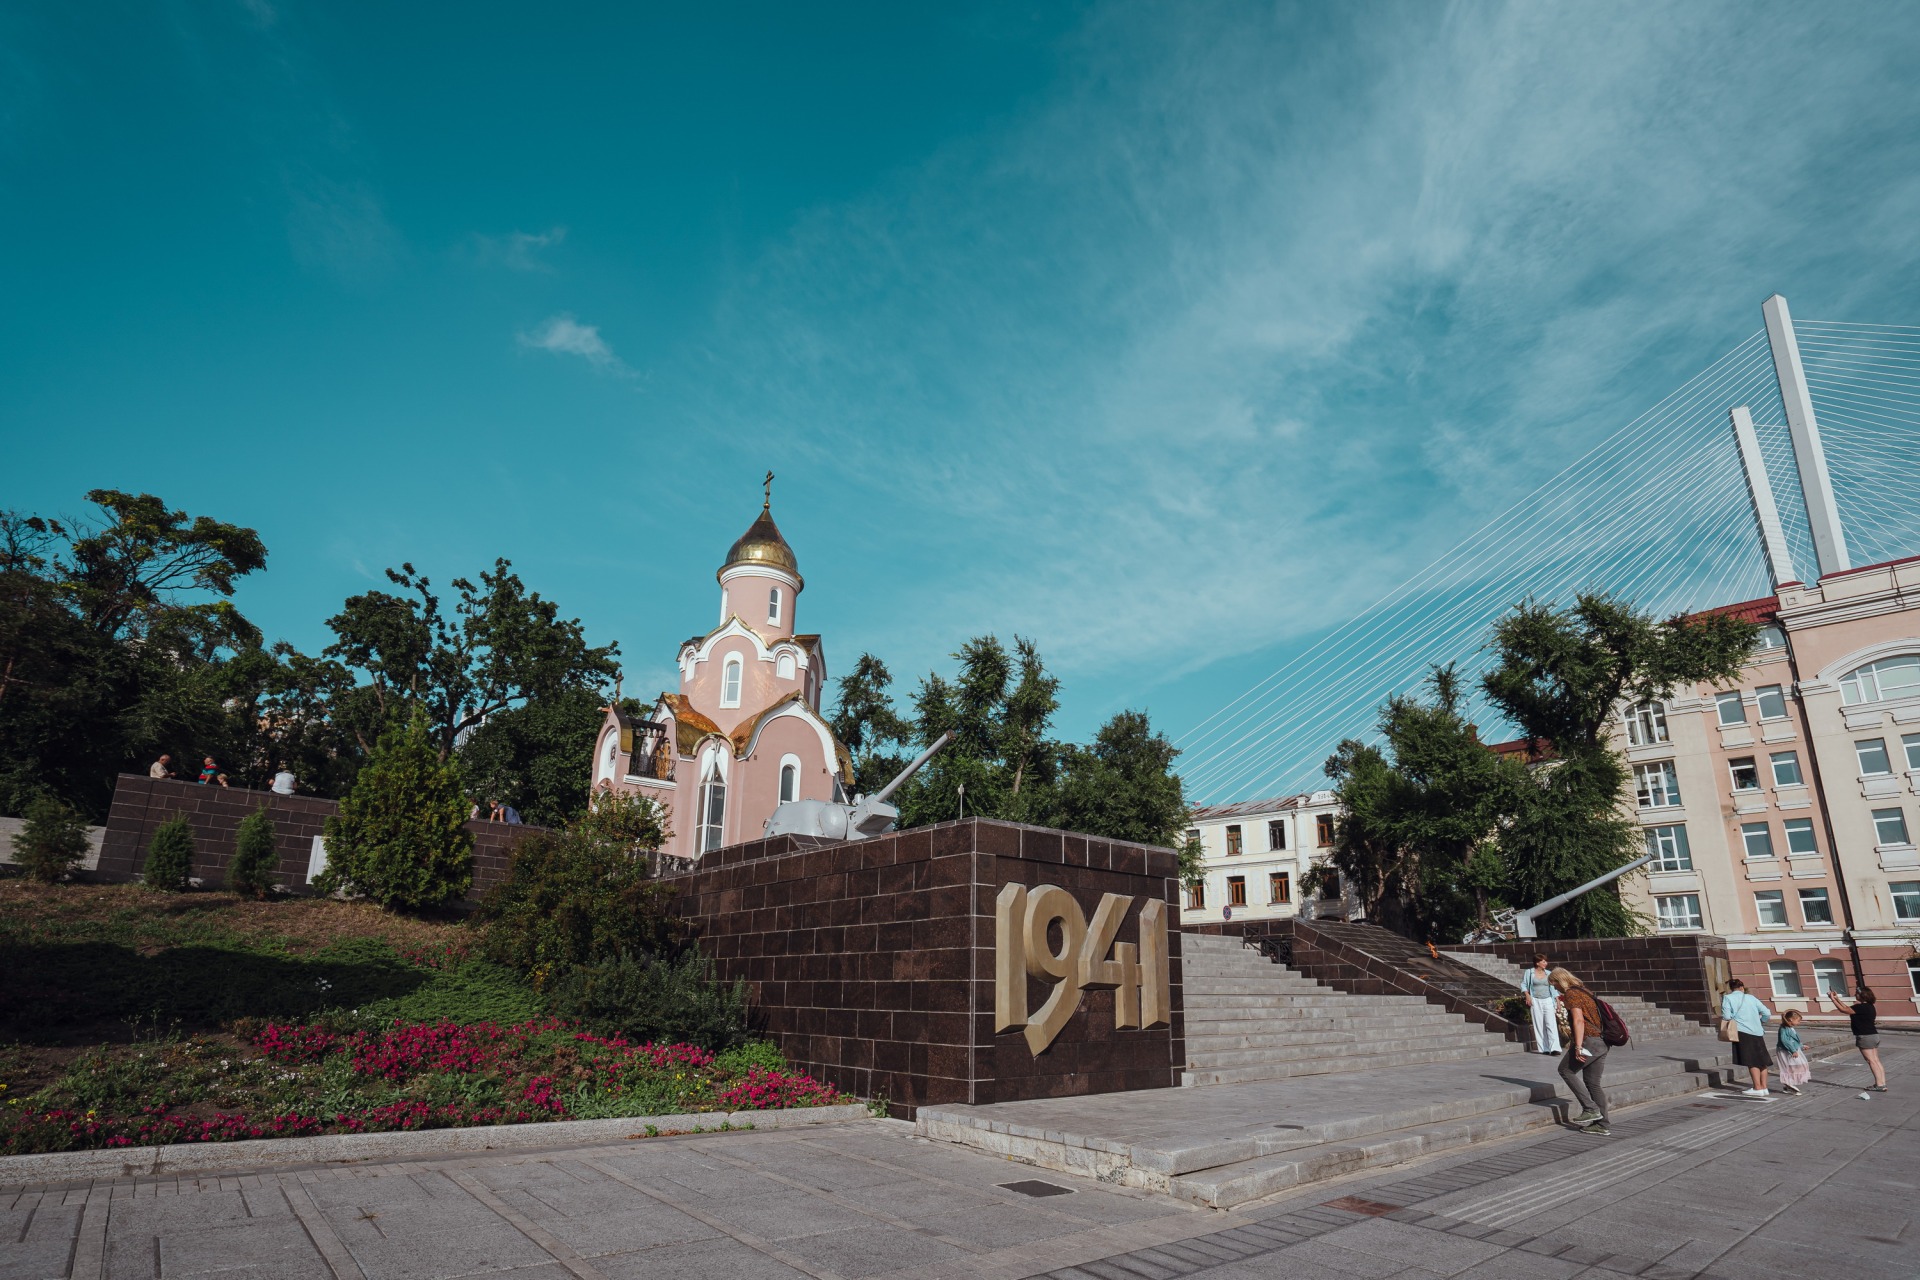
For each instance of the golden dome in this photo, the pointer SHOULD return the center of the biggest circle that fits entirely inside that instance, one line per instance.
(762, 544)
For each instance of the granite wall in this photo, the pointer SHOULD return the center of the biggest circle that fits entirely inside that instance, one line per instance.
(873, 961)
(1683, 972)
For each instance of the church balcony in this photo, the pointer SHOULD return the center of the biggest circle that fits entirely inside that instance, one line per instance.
(651, 764)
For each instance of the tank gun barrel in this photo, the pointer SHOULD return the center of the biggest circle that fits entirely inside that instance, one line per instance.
(880, 796)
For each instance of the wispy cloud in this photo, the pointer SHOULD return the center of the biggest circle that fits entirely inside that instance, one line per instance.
(340, 227)
(565, 336)
(518, 250)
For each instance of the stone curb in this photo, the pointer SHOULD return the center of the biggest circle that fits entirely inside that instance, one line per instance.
(209, 1157)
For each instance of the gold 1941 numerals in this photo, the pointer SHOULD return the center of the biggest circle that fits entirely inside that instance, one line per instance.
(1088, 960)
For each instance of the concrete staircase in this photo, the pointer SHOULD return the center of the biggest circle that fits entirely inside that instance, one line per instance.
(1646, 1021)
(1248, 1018)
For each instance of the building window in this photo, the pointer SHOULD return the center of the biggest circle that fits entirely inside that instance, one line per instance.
(713, 811)
(1197, 896)
(1657, 784)
(1323, 830)
(730, 683)
(1769, 639)
(789, 782)
(1786, 769)
(1233, 842)
(1757, 839)
(1800, 836)
(1732, 709)
(1897, 677)
(1913, 975)
(773, 606)
(1829, 978)
(1906, 899)
(1786, 979)
(1277, 834)
(1911, 742)
(783, 666)
(1814, 907)
(1872, 754)
(1771, 906)
(1890, 826)
(1330, 886)
(1771, 701)
(1236, 891)
(1279, 888)
(1193, 833)
(1647, 724)
(1668, 845)
(1678, 910)
(1746, 774)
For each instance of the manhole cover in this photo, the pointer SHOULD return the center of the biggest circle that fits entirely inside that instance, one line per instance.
(1035, 1187)
(1354, 1204)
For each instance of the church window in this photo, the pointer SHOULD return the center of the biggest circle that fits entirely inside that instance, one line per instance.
(783, 667)
(713, 811)
(789, 782)
(773, 606)
(730, 683)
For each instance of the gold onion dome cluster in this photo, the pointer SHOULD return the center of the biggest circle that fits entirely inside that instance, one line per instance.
(762, 544)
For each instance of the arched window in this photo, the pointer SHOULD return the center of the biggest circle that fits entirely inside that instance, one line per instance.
(789, 782)
(783, 667)
(612, 754)
(713, 808)
(773, 606)
(1647, 724)
(1895, 677)
(730, 683)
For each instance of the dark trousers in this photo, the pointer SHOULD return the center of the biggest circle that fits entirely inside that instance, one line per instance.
(1583, 1079)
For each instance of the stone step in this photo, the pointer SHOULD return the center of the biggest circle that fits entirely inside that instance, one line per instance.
(1329, 1000)
(1257, 985)
(1312, 1033)
(1409, 1047)
(1289, 1031)
(1332, 1064)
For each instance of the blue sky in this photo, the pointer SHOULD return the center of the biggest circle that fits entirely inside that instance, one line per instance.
(1169, 335)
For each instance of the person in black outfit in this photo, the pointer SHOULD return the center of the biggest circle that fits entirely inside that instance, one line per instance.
(1866, 1034)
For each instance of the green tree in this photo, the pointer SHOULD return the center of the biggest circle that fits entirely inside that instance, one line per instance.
(869, 726)
(255, 860)
(51, 843)
(998, 709)
(1562, 676)
(1123, 786)
(170, 857)
(399, 837)
(537, 757)
(501, 648)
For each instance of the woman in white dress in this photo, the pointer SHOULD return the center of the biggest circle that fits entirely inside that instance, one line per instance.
(1543, 1003)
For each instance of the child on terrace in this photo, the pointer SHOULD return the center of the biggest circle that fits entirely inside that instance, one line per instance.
(1794, 1069)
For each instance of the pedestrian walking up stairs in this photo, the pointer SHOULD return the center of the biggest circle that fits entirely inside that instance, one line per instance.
(1646, 1021)
(1248, 1018)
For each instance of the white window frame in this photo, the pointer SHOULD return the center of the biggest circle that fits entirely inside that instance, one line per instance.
(1906, 900)
(1733, 774)
(733, 675)
(1913, 976)
(773, 606)
(1791, 759)
(1647, 723)
(1789, 970)
(1730, 699)
(1667, 794)
(1821, 896)
(1239, 882)
(1864, 747)
(1684, 913)
(1881, 817)
(1910, 743)
(1669, 847)
(1236, 840)
(712, 833)
(1771, 637)
(1829, 977)
(788, 761)
(1760, 698)
(1763, 833)
(1771, 898)
(1276, 834)
(1862, 684)
(1798, 826)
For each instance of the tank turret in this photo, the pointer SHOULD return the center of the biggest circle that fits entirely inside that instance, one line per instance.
(866, 817)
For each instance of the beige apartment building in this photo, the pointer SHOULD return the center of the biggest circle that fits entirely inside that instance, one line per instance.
(1256, 853)
(1781, 812)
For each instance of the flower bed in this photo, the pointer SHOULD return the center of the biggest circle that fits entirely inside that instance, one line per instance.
(303, 1079)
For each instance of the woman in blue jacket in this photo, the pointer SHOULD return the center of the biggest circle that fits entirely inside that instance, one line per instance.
(1746, 1012)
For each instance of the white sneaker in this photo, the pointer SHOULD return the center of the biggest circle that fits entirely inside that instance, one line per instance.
(1755, 1093)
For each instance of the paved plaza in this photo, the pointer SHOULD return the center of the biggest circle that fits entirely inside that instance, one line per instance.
(1703, 1185)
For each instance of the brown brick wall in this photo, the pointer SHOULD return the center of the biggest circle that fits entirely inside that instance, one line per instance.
(141, 805)
(872, 961)
(1672, 970)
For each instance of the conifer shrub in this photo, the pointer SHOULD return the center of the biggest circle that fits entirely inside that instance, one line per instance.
(170, 856)
(254, 858)
(51, 843)
(400, 837)
(663, 1000)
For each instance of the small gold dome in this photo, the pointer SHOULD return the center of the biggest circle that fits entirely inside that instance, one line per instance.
(762, 544)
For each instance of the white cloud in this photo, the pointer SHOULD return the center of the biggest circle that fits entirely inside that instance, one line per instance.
(565, 336)
(341, 227)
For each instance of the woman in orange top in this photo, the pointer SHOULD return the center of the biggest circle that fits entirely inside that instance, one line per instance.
(1586, 1058)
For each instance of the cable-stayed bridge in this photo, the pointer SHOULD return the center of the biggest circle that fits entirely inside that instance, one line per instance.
(1657, 512)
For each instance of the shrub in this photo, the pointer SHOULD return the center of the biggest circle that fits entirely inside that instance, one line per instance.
(584, 895)
(254, 857)
(656, 1000)
(400, 836)
(763, 1055)
(52, 842)
(170, 856)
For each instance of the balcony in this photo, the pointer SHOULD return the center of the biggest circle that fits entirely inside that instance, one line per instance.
(652, 761)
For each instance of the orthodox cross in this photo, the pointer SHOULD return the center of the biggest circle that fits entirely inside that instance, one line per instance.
(769, 485)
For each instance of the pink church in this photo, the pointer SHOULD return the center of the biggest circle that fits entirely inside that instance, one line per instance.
(745, 731)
